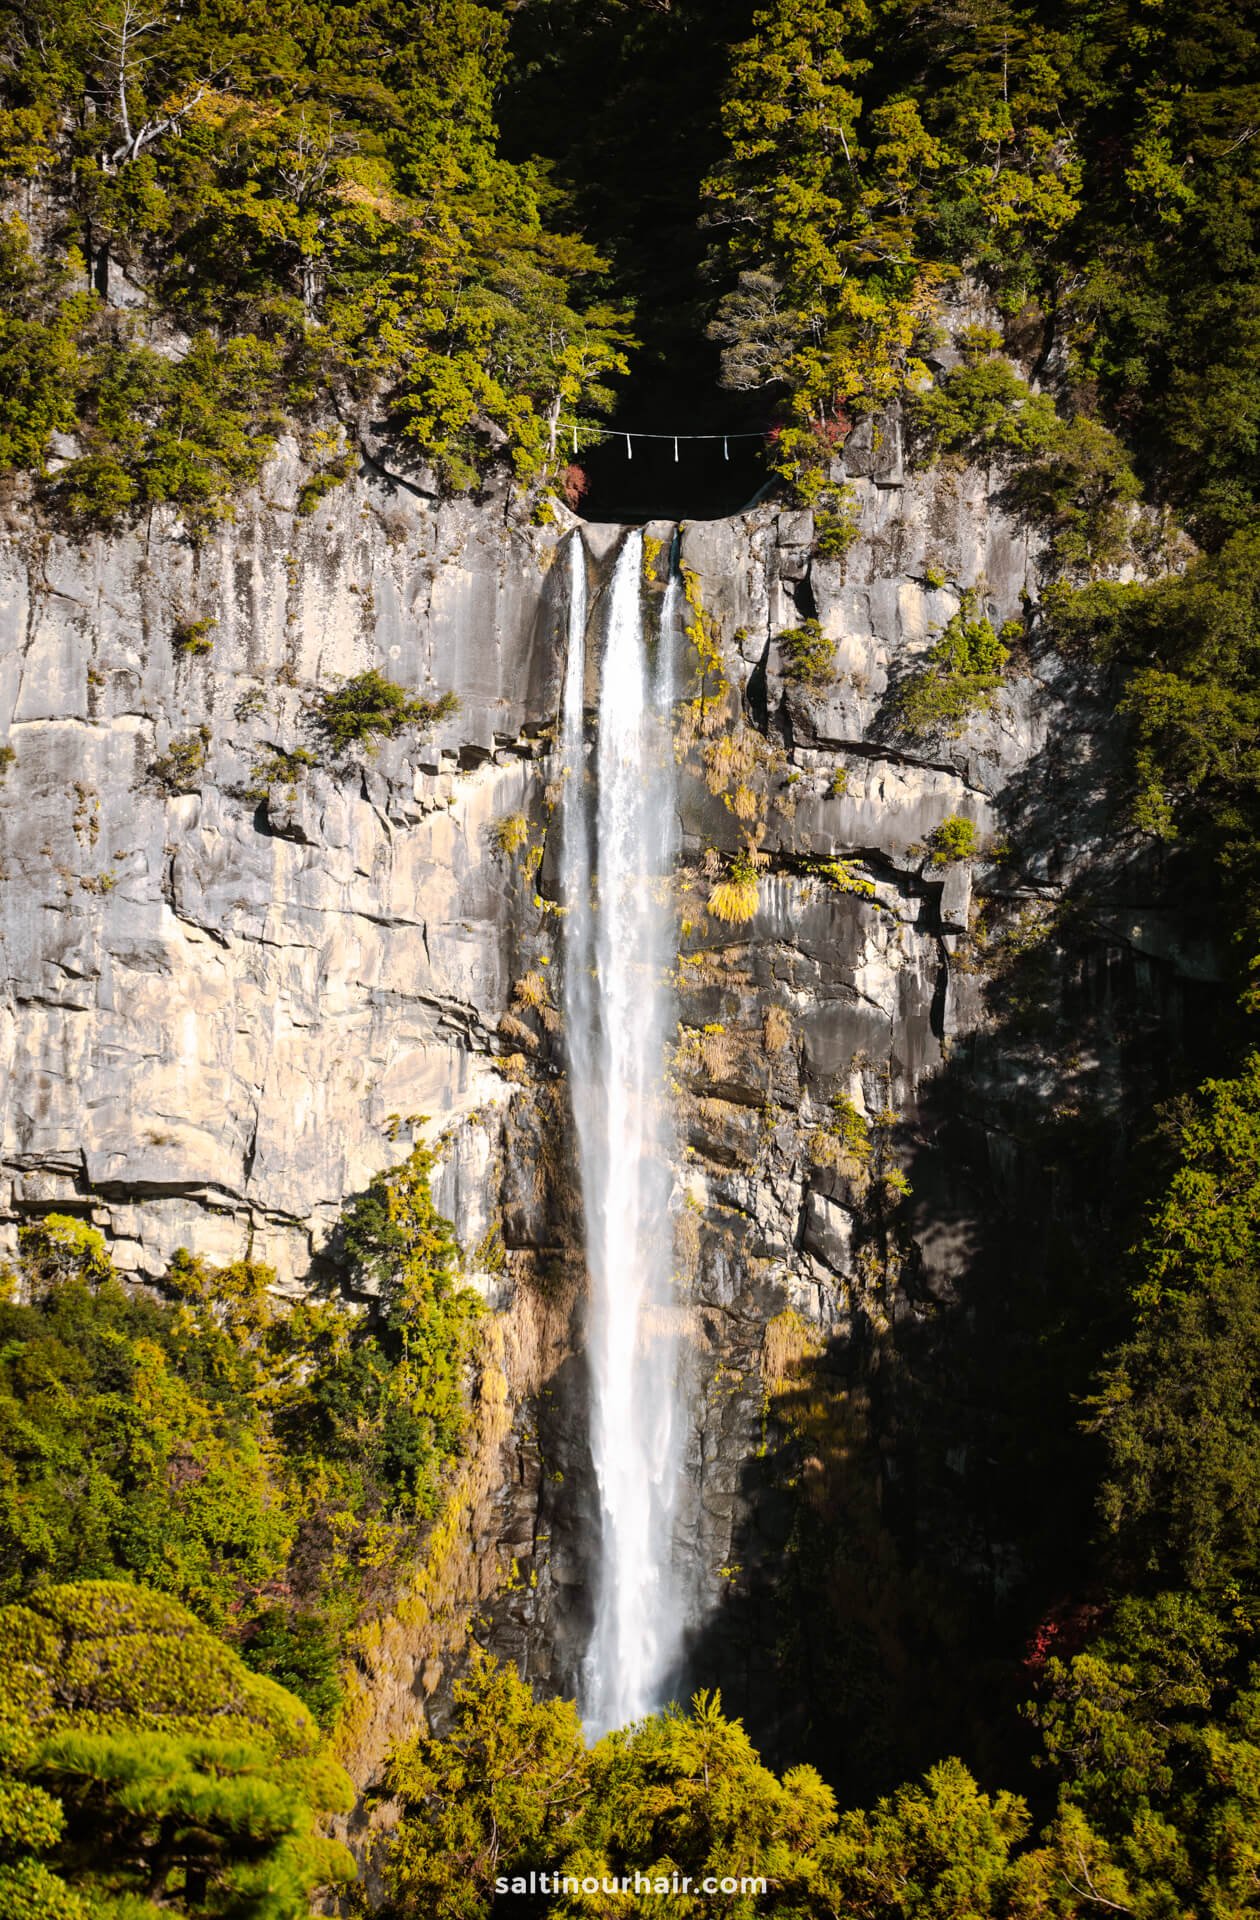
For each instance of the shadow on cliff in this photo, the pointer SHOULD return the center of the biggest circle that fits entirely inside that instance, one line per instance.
(926, 1491)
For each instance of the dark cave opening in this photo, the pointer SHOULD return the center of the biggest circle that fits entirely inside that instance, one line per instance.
(654, 479)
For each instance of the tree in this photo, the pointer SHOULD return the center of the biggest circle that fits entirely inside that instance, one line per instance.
(251, 1461)
(316, 206)
(940, 1851)
(39, 355)
(149, 1764)
(846, 198)
(828, 300)
(500, 1793)
(513, 1789)
(1153, 1732)
(1176, 1406)
(116, 1454)
(686, 1791)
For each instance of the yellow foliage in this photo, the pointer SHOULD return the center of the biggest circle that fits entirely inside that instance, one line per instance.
(730, 759)
(531, 991)
(510, 833)
(734, 900)
(711, 1053)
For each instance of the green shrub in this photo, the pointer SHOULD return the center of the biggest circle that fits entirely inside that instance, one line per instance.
(977, 343)
(808, 656)
(59, 1247)
(983, 410)
(337, 458)
(954, 839)
(836, 525)
(401, 1248)
(961, 677)
(180, 768)
(849, 1128)
(1187, 647)
(371, 708)
(192, 637)
(1079, 489)
(278, 767)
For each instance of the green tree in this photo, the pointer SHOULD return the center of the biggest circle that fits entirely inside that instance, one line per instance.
(32, 1823)
(513, 1788)
(500, 1793)
(829, 298)
(192, 433)
(1153, 1733)
(152, 1770)
(869, 157)
(401, 1245)
(118, 1455)
(687, 1791)
(40, 365)
(940, 1851)
(249, 1461)
(1176, 1407)
(317, 207)
(984, 410)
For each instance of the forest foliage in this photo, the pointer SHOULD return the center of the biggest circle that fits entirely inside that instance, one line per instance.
(143, 1767)
(1150, 1739)
(222, 221)
(250, 216)
(261, 1465)
(211, 1490)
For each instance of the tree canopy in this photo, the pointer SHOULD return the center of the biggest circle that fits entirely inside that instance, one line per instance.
(251, 1462)
(251, 217)
(144, 1767)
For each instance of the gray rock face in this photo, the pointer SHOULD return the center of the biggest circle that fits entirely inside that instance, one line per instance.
(225, 1009)
(864, 1080)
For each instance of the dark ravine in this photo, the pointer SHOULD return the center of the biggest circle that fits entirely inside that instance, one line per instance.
(222, 1016)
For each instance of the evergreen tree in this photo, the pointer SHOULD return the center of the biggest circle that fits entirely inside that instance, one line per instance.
(150, 1769)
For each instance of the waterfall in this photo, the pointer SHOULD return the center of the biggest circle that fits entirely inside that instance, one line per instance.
(617, 845)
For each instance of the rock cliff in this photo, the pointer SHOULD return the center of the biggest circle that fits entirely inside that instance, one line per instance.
(226, 1007)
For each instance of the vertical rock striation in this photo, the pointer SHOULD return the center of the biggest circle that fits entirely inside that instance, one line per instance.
(225, 1008)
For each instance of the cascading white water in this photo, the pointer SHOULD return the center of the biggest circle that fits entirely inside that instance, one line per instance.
(618, 951)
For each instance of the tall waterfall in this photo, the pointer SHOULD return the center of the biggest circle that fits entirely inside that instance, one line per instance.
(617, 843)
